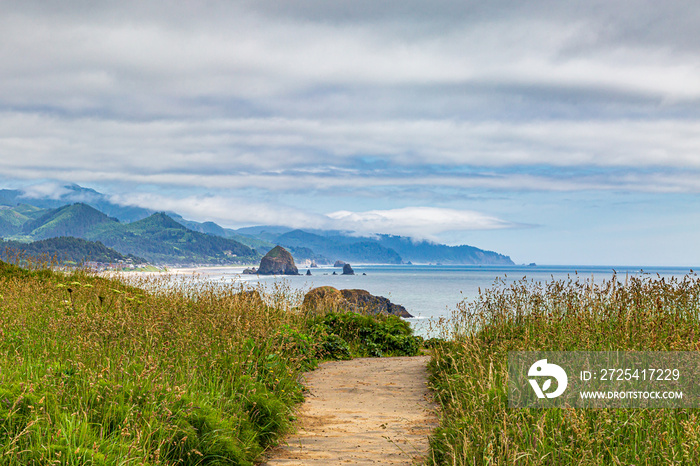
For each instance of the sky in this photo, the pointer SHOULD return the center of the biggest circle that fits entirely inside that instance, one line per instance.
(552, 131)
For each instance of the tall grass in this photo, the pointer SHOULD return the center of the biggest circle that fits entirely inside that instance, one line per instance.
(470, 373)
(155, 372)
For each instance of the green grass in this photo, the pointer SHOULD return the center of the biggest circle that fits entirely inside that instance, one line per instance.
(165, 371)
(470, 374)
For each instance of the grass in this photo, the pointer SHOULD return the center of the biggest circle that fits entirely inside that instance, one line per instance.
(158, 371)
(470, 374)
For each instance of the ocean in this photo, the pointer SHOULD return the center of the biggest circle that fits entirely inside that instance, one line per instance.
(431, 292)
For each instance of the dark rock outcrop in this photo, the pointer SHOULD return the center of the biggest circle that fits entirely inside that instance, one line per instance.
(339, 263)
(327, 298)
(308, 271)
(278, 262)
(368, 303)
(252, 271)
(347, 270)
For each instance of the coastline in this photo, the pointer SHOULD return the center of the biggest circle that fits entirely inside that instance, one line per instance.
(207, 270)
(203, 270)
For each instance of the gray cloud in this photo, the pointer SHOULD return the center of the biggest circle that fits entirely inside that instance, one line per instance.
(350, 99)
(145, 59)
(252, 152)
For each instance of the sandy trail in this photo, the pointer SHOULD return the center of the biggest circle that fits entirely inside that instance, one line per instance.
(363, 411)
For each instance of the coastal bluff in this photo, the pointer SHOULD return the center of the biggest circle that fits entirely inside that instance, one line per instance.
(278, 262)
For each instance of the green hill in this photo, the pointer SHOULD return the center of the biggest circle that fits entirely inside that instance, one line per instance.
(10, 221)
(12, 218)
(29, 211)
(161, 239)
(70, 220)
(157, 238)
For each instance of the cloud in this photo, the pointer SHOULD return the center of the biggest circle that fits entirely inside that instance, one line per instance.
(156, 60)
(292, 155)
(261, 91)
(416, 222)
(51, 190)
(227, 211)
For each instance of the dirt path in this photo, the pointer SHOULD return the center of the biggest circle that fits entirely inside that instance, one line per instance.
(363, 411)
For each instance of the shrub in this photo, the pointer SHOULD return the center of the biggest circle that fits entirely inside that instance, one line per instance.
(368, 335)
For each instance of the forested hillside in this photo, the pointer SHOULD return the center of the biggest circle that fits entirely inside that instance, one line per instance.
(66, 249)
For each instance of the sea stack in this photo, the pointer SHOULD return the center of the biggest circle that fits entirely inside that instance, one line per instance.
(278, 262)
(347, 270)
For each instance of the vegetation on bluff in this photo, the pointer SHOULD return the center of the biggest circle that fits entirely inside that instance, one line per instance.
(161, 371)
(470, 373)
(65, 249)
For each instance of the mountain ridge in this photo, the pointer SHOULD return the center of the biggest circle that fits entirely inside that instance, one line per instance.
(167, 237)
(157, 238)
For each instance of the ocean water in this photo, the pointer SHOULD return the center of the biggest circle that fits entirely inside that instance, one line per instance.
(430, 292)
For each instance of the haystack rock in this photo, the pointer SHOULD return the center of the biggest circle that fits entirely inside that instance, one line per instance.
(278, 262)
(339, 263)
(347, 270)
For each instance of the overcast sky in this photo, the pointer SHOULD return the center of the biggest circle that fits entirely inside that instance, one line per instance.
(556, 132)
